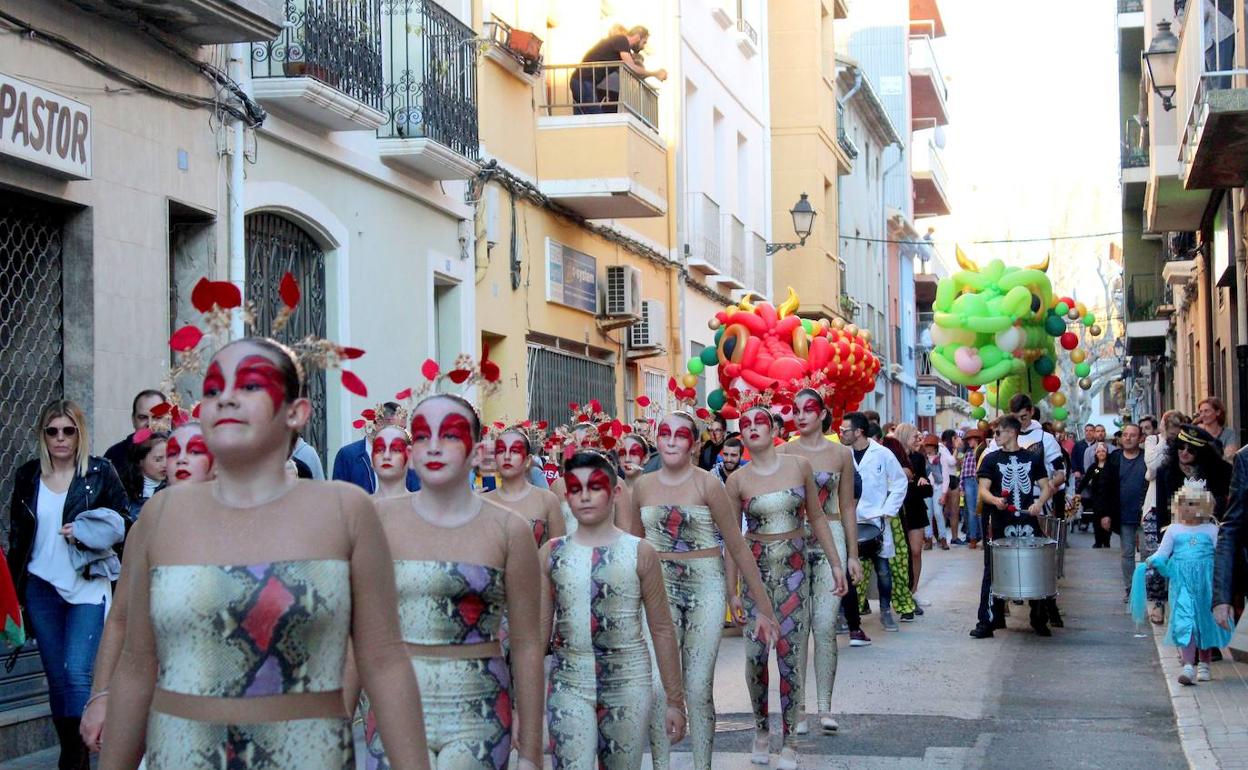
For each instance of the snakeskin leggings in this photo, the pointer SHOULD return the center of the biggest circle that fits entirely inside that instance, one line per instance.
(598, 707)
(899, 566)
(467, 708)
(783, 567)
(1155, 586)
(695, 593)
(824, 607)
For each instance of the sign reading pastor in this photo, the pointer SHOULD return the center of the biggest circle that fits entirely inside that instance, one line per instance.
(571, 277)
(44, 129)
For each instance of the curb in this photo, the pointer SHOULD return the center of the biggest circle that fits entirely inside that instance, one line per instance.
(1192, 734)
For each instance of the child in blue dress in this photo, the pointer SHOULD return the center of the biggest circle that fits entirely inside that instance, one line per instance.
(1185, 557)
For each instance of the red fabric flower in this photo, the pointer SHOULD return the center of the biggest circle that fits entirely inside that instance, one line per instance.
(141, 435)
(643, 401)
(430, 369)
(573, 406)
(288, 290)
(350, 354)
(595, 405)
(162, 409)
(358, 424)
(543, 425)
(185, 339)
(369, 414)
(354, 384)
(222, 294)
(403, 395)
(671, 384)
(490, 371)
(458, 376)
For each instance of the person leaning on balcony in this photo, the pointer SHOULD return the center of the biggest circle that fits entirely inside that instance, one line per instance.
(592, 85)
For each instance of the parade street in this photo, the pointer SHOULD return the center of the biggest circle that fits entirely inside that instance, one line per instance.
(1092, 695)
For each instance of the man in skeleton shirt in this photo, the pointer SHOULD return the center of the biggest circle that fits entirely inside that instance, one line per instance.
(1013, 487)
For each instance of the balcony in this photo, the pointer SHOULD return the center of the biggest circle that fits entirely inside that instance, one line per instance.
(1146, 333)
(1130, 15)
(747, 37)
(931, 184)
(702, 234)
(430, 92)
(1144, 293)
(842, 138)
(759, 279)
(734, 274)
(927, 85)
(925, 15)
(1213, 112)
(324, 70)
(203, 22)
(598, 146)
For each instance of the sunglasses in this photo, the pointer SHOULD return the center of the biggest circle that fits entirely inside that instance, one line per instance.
(68, 431)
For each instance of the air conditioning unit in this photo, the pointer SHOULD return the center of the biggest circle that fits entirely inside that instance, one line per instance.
(895, 370)
(622, 293)
(647, 334)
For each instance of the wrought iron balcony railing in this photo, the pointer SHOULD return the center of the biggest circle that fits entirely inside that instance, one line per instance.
(592, 88)
(337, 42)
(1130, 6)
(430, 76)
(747, 29)
(842, 137)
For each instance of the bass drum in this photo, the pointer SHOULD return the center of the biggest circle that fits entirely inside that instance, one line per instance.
(1024, 567)
(870, 539)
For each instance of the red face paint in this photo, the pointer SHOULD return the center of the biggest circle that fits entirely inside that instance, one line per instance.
(572, 484)
(214, 381)
(516, 447)
(257, 373)
(379, 446)
(420, 428)
(600, 481)
(810, 406)
(684, 434)
(636, 452)
(455, 427)
(196, 446)
(762, 419)
(172, 450)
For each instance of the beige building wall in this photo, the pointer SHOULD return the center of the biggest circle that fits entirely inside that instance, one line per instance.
(117, 248)
(805, 157)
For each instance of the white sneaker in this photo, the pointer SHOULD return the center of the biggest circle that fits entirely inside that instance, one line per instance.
(828, 724)
(760, 752)
(1202, 672)
(788, 759)
(921, 602)
(1188, 676)
(803, 725)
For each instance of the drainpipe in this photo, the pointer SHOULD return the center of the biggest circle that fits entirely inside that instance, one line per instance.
(1241, 315)
(240, 53)
(844, 100)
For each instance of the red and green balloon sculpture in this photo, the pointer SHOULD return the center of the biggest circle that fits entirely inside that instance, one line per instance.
(995, 327)
(768, 347)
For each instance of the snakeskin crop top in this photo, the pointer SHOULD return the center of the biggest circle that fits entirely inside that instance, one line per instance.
(447, 602)
(829, 483)
(250, 631)
(776, 513)
(679, 528)
(597, 596)
(540, 531)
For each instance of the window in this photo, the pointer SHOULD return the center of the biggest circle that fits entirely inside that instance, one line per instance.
(695, 350)
(556, 378)
(655, 386)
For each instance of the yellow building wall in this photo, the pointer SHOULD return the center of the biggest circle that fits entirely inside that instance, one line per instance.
(804, 158)
(510, 107)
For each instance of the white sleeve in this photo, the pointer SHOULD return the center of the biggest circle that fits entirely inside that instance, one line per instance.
(1052, 453)
(1166, 547)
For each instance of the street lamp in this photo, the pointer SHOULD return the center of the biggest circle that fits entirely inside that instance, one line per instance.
(803, 223)
(1160, 60)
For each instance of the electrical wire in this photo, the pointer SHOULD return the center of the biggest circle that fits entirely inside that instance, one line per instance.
(249, 111)
(924, 242)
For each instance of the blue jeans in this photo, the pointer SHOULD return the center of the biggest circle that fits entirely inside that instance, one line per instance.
(970, 488)
(68, 635)
(585, 94)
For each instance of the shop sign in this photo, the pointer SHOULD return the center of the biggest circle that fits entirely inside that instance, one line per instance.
(927, 401)
(44, 129)
(571, 277)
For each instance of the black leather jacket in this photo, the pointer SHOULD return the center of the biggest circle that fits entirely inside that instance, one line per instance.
(99, 488)
(1231, 558)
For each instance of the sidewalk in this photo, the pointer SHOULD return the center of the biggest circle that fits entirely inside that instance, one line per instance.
(1212, 716)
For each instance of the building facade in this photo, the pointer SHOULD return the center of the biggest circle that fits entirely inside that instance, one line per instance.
(1184, 272)
(109, 189)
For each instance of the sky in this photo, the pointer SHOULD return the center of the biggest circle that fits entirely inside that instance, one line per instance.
(1032, 144)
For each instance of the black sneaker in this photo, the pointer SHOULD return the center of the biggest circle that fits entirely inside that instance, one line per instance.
(980, 631)
(1042, 629)
(918, 610)
(907, 617)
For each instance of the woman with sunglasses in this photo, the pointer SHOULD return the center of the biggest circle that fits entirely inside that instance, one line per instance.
(64, 604)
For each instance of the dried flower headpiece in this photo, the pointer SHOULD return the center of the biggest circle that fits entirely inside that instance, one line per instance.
(534, 430)
(370, 420)
(754, 399)
(602, 430)
(218, 301)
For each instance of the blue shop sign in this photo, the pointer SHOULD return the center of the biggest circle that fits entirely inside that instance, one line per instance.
(571, 277)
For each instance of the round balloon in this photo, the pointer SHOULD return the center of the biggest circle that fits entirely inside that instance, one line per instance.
(1062, 308)
(1078, 356)
(1086, 383)
(1045, 366)
(979, 413)
(716, 399)
(1083, 369)
(1060, 413)
(975, 398)
(695, 365)
(1058, 399)
(1052, 383)
(1054, 325)
(1070, 340)
(708, 356)
(690, 380)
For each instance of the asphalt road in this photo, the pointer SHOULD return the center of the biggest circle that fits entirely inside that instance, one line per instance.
(1092, 695)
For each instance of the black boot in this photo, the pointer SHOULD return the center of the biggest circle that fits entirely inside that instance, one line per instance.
(74, 754)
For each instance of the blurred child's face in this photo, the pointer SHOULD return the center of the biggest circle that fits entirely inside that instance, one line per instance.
(1187, 510)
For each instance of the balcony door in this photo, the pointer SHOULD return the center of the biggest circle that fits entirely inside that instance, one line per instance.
(276, 245)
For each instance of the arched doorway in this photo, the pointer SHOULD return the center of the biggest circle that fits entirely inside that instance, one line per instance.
(276, 245)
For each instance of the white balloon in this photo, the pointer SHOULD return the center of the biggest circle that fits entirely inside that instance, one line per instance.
(941, 335)
(1010, 339)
